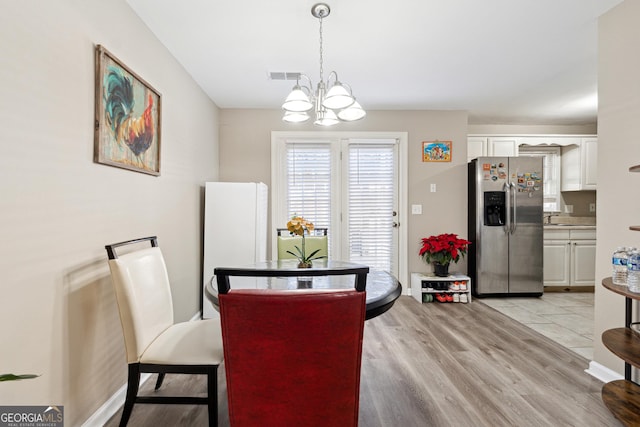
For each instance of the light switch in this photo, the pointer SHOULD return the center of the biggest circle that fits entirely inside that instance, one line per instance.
(433, 188)
(416, 209)
(568, 208)
(592, 207)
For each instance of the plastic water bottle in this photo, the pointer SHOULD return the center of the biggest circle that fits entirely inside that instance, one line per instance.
(633, 271)
(619, 274)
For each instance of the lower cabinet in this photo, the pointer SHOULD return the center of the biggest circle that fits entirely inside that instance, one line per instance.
(557, 262)
(583, 260)
(569, 257)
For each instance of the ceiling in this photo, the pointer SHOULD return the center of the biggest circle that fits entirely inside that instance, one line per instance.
(505, 61)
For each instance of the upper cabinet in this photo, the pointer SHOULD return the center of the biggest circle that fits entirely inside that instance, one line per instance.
(482, 146)
(476, 147)
(503, 147)
(578, 158)
(579, 165)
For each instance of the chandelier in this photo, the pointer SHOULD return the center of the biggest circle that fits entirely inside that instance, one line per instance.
(332, 101)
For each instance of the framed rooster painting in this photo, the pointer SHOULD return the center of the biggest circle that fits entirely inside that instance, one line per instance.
(127, 117)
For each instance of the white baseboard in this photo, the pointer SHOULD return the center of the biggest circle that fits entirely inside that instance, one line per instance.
(115, 402)
(111, 406)
(602, 373)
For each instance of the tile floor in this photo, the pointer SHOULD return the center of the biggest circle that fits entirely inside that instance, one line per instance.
(565, 317)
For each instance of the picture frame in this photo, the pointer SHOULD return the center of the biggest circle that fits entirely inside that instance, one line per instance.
(127, 130)
(436, 151)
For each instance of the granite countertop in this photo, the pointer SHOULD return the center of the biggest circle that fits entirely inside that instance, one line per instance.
(569, 227)
(563, 222)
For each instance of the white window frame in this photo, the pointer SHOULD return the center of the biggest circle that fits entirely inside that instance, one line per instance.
(555, 151)
(278, 190)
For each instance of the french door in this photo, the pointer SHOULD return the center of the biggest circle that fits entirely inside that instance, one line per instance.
(370, 202)
(349, 183)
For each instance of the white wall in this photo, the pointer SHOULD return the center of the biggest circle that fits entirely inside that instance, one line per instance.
(618, 205)
(245, 150)
(58, 209)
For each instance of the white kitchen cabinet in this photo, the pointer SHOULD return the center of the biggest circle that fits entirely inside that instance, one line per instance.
(557, 262)
(502, 146)
(569, 257)
(579, 165)
(476, 147)
(590, 162)
(583, 260)
(482, 146)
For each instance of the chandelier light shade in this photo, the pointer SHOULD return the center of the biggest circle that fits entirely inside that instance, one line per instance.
(326, 117)
(295, 117)
(332, 101)
(353, 112)
(297, 101)
(338, 97)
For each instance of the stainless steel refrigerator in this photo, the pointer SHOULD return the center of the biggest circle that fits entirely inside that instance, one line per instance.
(505, 226)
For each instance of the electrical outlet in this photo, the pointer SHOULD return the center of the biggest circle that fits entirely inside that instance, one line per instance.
(416, 209)
(433, 188)
(592, 207)
(568, 208)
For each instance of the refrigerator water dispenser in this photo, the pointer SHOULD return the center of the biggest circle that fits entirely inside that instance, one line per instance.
(494, 208)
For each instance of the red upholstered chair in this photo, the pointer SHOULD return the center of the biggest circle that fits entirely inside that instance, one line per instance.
(292, 358)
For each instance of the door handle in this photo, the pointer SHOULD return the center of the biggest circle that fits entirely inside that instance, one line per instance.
(514, 220)
(507, 198)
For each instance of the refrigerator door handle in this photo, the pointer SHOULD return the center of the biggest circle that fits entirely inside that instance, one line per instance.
(507, 225)
(514, 219)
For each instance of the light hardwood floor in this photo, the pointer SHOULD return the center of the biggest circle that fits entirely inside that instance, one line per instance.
(442, 365)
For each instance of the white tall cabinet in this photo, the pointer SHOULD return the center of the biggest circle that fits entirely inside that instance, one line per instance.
(235, 229)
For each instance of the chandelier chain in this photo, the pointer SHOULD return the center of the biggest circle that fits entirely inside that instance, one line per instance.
(321, 69)
(333, 103)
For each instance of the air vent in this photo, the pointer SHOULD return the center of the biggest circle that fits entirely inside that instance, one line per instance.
(284, 75)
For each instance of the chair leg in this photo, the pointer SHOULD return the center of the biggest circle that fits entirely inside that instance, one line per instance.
(132, 391)
(212, 395)
(160, 379)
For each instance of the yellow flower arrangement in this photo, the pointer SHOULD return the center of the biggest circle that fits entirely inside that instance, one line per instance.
(298, 226)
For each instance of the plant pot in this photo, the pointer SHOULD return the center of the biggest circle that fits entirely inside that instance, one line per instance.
(303, 264)
(441, 270)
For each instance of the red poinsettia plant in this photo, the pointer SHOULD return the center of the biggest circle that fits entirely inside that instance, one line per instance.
(443, 248)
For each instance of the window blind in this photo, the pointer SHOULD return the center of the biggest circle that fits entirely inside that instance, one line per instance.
(309, 182)
(551, 174)
(371, 201)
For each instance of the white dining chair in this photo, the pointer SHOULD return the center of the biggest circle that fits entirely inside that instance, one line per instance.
(153, 342)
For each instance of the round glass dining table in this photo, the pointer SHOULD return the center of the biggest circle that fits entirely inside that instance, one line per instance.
(381, 287)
